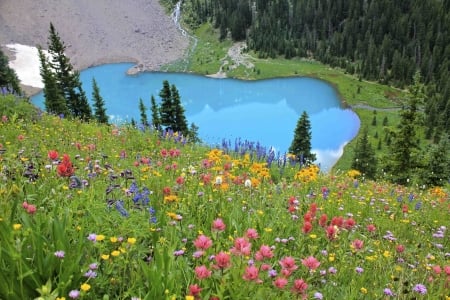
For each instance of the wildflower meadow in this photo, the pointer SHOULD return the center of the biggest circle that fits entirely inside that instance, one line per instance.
(92, 211)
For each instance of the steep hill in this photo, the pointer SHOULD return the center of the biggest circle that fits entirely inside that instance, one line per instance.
(97, 31)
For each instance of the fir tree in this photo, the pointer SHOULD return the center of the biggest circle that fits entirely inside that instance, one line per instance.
(193, 133)
(53, 98)
(99, 104)
(166, 110)
(171, 111)
(142, 110)
(67, 78)
(364, 159)
(437, 163)
(404, 146)
(8, 77)
(156, 120)
(301, 144)
(180, 124)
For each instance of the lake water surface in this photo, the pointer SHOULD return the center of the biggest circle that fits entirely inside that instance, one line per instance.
(264, 111)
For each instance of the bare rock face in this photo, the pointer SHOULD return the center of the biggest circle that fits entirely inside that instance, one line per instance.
(96, 32)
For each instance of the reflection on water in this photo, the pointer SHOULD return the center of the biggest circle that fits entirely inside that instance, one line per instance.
(264, 111)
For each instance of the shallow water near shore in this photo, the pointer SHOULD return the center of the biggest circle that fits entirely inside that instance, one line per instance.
(263, 111)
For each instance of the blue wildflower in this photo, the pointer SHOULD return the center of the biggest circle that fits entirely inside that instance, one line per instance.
(121, 209)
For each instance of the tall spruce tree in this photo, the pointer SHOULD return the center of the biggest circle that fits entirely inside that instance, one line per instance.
(436, 171)
(180, 124)
(404, 148)
(142, 110)
(67, 78)
(364, 159)
(171, 111)
(99, 104)
(53, 98)
(8, 77)
(166, 110)
(156, 120)
(301, 144)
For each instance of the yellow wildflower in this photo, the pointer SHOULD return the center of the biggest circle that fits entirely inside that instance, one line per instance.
(113, 239)
(99, 237)
(85, 287)
(363, 290)
(17, 226)
(105, 256)
(115, 253)
(131, 241)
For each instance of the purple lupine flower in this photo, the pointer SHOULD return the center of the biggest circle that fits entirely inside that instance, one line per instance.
(420, 288)
(90, 274)
(318, 295)
(92, 237)
(388, 292)
(359, 270)
(178, 252)
(332, 270)
(74, 294)
(93, 266)
(60, 254)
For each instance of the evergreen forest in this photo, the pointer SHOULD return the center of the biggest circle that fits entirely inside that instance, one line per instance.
(377, 40)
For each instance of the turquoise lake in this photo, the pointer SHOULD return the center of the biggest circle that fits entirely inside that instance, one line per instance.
(264, 111)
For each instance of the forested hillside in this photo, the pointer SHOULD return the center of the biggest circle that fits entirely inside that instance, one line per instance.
(380, 40)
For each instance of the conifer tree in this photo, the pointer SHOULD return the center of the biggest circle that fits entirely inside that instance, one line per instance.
(364, 159)
(166, 109)
(156, 120)
(142, 110)
(171, 111)
(180, 124)
(99, 104)
(67, 78)
(8, 77)
(436, 171)
(53, 98)
(401, 162)
(301, 144)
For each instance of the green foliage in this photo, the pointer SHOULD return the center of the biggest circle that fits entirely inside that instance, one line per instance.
(301, 144)
(156, 120)
(61, 80)
(171, 111)
(364, 159)
(99, 104)
(402, 161)
(8, 77)
(142, 110)
(18, 108)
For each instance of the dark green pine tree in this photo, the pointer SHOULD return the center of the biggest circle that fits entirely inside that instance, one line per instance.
(180, 124)
(99, 104)
(301, 144)
(364, 159)
(437, 163)
(8, 77)
(156, 120)
(401, 162)
(67, 78)
(54, 100)
(84, 111)
(193, 133)
(142, 110)
(166, 110)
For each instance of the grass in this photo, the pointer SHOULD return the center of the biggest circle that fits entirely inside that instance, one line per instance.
(132, 214)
